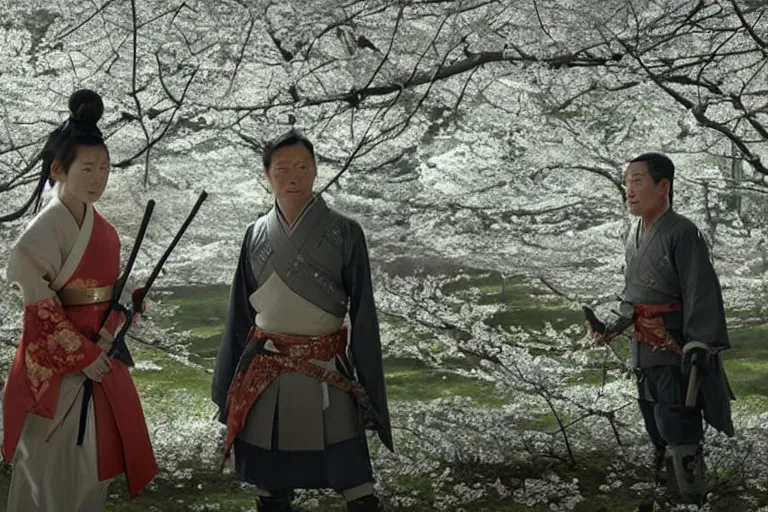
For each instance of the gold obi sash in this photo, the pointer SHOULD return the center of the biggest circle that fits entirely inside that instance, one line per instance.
(85, 296)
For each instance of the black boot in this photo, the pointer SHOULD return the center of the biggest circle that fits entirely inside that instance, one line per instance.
(686, 464)
(281, 503)
(364, 504)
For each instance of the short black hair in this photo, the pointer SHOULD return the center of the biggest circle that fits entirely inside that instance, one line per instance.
(660, 167)
(289, 138)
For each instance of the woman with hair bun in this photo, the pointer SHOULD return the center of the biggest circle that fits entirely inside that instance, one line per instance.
(66, 445)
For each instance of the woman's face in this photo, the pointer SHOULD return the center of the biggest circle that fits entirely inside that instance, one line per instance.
(87, 176)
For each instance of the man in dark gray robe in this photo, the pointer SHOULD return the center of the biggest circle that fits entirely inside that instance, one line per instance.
(674, 301)
(295, 399)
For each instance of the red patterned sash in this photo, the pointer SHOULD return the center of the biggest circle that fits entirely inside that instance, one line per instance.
(259, 368)
(649, 326)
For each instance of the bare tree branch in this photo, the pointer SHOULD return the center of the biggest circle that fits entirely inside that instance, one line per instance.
(86, 20)
(239, 60)
(441, 72)
(151, 143)
(749, 28)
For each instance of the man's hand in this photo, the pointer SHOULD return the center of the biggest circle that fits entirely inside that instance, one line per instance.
(602, 337)
(695, 353)
(606, 333)
(597, 329)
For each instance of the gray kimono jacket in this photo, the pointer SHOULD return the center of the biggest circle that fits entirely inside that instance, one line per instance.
(671, 263)
(303, 280)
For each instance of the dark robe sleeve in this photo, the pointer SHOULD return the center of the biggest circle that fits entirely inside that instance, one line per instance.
(240, 319)
(704, 321)
(703, 311)
(365, 341)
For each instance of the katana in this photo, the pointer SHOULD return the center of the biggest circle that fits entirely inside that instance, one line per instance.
(115, 304)
(119, 348)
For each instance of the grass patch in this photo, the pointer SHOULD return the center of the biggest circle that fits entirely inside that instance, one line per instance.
(408, 484)
(408, 380)
(542, 422)
(203, 350)
(758, 312)
(747, 361)
(535, 318)
(202, 310)
(590, 377)
(201, 304)
(526, 307)
(175, 376)
(165, 494)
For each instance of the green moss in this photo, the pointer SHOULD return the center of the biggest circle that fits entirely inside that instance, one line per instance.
(526, 307)
(408, 485)
(165, 494)
(201, 311)
(409, 381)
(174, 376)
(746, 363)
(544, 422)
(590, 377)
(535, 318)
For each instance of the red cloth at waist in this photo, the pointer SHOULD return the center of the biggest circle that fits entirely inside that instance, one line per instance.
(649, 326)
(257, 370)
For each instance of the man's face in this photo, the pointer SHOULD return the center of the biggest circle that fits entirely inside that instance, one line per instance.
(643, 195)
(291, 174)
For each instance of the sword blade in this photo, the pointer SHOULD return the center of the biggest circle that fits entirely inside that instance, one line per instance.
(159, 266)
(119, 348)
(122, 281)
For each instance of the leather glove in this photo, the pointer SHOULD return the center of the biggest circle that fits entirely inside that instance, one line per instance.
(620, 324)
(605, 332)
(695, 353)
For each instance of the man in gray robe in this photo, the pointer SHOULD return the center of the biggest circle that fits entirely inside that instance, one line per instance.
(295, 398)
(674, 301)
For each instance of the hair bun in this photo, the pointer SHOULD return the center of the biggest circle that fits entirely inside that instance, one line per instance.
(86, 106)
